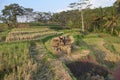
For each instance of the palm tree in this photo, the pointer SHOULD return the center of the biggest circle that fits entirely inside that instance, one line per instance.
(117, 5)
(111, 23)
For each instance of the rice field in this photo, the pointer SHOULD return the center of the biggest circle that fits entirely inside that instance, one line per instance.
(22, 34)
(15, 62)
(104, 48)
(26, 54)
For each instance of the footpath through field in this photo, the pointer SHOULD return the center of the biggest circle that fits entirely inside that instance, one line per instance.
(49, 68)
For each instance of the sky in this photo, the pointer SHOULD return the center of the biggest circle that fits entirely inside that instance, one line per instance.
(52, 5)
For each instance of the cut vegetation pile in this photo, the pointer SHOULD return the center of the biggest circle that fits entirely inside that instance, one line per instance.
(22, 34)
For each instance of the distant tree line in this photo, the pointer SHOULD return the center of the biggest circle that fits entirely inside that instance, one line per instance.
(98, 20)
(11, 12)
(86, 19)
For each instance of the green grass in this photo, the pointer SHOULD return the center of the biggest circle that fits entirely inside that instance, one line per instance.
(78, 39)
(110, 47)
(117, 48)
(40, 25)
(79, 42)
(92, 35)
(101, 45)
(111, 43)
(71, 31)
(110, 39)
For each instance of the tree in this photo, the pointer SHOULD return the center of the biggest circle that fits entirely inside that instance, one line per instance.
(10, 13)
(61, 18)
(111, 23)
(28, 12)
(82, 4)
(111, 20)
(42, 16)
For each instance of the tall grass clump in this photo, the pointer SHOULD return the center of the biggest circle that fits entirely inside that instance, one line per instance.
(79, 42)
(15, 62)
(78, 39)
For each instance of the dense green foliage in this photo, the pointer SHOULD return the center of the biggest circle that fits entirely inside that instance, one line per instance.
(97, 20)
(9, 14)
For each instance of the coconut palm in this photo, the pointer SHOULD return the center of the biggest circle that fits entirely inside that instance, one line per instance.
(111, 23)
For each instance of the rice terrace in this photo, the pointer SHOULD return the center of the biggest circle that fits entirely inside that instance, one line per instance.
(38, 41)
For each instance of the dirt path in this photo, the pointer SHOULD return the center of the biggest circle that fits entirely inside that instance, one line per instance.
(73, 56)
(48, 68)
(41, 70)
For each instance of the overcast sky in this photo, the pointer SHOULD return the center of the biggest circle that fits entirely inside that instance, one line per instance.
(52, 5)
